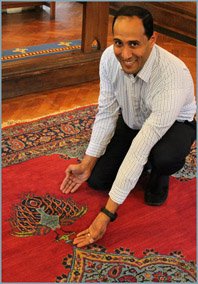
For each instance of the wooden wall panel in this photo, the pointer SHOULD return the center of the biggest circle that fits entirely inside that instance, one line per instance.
(178, 17)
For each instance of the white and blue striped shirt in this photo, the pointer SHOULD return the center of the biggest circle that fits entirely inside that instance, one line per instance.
(161, 93)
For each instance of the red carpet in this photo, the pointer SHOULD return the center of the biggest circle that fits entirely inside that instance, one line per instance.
(145, 244)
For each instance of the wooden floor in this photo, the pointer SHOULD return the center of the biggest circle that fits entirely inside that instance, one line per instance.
(35, 27)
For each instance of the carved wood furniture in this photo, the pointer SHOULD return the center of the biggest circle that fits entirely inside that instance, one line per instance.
(13, 4)
(54, 71)
(49, 72)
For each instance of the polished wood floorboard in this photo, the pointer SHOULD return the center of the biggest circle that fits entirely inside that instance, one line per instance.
(35, 27)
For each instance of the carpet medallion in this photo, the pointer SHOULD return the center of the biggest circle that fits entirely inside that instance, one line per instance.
(39, 222)
(97, 265)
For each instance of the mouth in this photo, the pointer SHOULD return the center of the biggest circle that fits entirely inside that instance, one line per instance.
(129, 63)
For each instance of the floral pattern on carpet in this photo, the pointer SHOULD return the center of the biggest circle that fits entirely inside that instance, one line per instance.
(37, 215)
(67, 134)
(96, 265)
(189, 170)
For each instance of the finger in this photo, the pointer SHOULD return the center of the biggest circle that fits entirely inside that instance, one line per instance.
(63, 184)
(75, 188)
(68, 184)
(85, 232)
(79, 240)
(84, 235)
(68, 173)
(65, 181)
(81, 237)
(83, 241)
(71, 186)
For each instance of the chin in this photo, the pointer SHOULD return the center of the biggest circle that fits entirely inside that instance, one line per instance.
(129, 71)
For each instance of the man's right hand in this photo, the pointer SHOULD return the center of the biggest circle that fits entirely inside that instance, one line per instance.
(77, 174)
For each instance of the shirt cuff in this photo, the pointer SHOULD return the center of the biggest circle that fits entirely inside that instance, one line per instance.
(95, 150)
(118, 195)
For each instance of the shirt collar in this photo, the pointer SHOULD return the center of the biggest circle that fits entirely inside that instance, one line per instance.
(145, 72)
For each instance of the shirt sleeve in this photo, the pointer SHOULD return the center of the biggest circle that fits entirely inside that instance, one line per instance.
(166, 106)
(108, 111)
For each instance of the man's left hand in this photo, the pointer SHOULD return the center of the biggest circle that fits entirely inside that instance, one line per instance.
(95, 232)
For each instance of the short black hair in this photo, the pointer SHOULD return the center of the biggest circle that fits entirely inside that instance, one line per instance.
(142, 13)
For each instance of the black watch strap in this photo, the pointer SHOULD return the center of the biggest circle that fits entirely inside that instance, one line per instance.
(109, 214)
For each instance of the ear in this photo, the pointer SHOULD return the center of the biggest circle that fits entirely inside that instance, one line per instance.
(153, 39)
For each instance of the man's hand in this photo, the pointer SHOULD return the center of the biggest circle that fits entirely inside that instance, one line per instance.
(94, 232)
(75, 176)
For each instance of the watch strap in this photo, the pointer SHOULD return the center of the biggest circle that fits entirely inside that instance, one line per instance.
(109, 214)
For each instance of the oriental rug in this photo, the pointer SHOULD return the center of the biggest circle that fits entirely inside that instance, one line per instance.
(39, 222)
(21, 53)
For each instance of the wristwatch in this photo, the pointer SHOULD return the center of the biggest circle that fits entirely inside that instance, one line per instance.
(109, 214)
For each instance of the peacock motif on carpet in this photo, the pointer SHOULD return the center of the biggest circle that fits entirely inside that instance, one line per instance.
(36, 215)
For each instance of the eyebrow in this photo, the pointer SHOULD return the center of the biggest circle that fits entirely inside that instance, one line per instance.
(133, 41)
(116, 39)
(130, 41)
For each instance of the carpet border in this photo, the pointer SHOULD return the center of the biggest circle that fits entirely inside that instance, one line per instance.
(12, 123)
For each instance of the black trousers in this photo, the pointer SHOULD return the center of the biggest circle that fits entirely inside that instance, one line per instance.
(166, 157)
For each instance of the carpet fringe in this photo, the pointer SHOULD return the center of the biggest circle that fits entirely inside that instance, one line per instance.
(15, 122)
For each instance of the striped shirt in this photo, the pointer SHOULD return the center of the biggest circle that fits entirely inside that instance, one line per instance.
(161, 93)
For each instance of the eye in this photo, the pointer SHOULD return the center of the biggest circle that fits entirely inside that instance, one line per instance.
(133, 44)
(117, 43)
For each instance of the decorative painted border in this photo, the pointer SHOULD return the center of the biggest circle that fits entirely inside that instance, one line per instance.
(41, 50)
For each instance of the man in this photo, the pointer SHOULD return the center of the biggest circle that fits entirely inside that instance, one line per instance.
(146, 116)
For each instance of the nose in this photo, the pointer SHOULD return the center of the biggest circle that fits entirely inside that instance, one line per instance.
(126, 53)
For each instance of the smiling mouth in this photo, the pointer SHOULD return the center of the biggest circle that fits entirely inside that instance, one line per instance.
(129, 62)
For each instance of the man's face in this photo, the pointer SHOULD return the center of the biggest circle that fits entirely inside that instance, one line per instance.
(131, 46)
